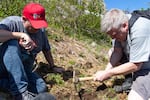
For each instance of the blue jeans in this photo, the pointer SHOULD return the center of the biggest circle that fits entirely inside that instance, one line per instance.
(16, 74)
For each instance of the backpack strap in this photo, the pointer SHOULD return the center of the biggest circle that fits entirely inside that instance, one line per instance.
(134, 17)
(136, 14)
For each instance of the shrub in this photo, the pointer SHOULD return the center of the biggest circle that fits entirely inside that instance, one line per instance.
(79, 18)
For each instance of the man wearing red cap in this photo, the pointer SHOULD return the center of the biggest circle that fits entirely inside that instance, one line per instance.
(26, 38)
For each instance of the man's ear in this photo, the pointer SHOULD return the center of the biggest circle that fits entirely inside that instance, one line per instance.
(125, 24)
(24, 18)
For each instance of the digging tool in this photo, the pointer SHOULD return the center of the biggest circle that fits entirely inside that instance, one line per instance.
(81, 79)
(76, 80)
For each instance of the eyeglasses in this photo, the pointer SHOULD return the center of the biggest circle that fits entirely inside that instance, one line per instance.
(114, 32)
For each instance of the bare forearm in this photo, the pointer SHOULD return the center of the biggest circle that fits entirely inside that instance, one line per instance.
(24, 39)
(114, 59)
(125, 68)
(6, 35)
(108, 66)
(49, 58)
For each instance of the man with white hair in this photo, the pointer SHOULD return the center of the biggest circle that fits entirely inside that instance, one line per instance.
(115, 23)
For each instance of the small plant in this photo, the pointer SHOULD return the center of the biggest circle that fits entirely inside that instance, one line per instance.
(72, 62)
(55, 79)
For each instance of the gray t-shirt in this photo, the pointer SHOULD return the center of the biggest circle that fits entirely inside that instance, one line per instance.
(137, 45)
(15, 24)
(139, 42)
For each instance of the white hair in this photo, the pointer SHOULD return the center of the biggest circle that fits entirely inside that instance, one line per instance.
(114, 18)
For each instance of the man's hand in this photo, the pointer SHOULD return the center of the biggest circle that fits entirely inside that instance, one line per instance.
(58, 69)
(26, 42)
(101, 75)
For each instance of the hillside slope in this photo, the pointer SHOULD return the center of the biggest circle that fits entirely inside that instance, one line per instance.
(83, 57)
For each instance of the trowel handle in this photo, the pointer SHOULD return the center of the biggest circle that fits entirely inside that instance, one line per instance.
(85, 79)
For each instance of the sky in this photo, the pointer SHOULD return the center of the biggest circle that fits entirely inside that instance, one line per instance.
(129, 5)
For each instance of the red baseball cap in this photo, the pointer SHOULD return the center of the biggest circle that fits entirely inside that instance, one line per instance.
(35, 13)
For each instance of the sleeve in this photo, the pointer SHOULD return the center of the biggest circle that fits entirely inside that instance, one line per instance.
(140, 41)
(3, 26)
(140, 49)
(6, 24)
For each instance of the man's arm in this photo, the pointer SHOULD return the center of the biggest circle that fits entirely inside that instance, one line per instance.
(115, 56)
(25, 40)
(119, 70)
(49, 58)
(6, 35)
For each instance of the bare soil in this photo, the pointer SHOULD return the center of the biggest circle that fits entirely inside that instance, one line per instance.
(85, 60)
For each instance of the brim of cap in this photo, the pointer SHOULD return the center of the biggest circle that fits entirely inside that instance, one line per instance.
(39, 24)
